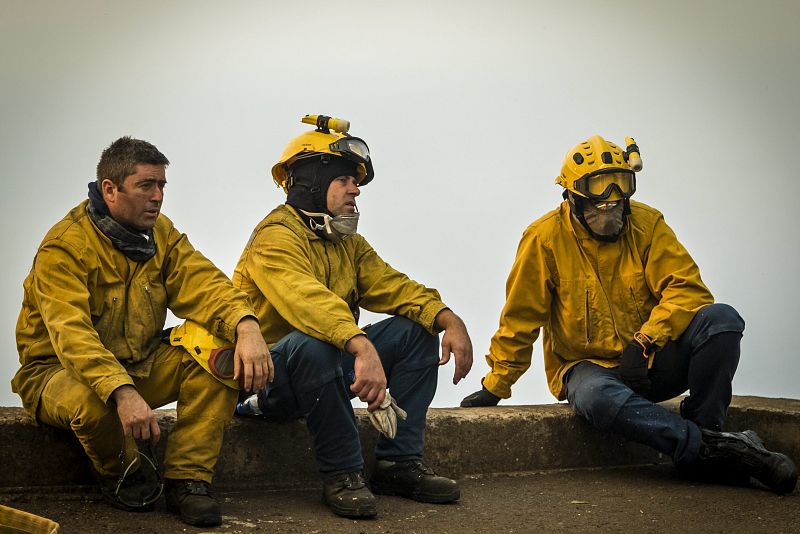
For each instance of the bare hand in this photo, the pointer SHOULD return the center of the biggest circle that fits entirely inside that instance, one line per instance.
(456, 341)
(137, 418)
(370, 382)
(252, 363)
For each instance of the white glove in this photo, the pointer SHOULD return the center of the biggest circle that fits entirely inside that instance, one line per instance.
(384, 418)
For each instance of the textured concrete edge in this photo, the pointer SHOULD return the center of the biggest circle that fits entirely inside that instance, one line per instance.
(459, 442)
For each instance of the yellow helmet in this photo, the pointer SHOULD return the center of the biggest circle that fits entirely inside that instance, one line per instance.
(215, 355)
(330, 137)
(600, 170)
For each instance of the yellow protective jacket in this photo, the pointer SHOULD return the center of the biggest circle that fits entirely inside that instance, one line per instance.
(591, 296)
(89, 309)
(297, 280)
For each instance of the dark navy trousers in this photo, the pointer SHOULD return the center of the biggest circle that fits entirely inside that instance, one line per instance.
(703, 360)
(313, 378)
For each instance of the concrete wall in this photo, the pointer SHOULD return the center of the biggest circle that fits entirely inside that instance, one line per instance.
(459, 442)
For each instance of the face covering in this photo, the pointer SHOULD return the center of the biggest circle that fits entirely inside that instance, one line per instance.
(333, 228)
(605, 219)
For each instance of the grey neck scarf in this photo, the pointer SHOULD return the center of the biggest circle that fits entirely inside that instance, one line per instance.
(136, 245)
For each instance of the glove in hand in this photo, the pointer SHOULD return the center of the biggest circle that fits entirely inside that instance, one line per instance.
(384, 418)
(633, 364)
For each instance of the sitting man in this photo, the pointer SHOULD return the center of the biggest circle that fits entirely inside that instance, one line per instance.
(307, 272)
(90, 337)
(627, 323)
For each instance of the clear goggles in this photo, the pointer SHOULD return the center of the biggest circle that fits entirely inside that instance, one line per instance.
(352, 148)
(601, 186)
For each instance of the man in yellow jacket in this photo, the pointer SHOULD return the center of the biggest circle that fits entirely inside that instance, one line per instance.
(627, 323)
(308, 273)
(90, 337)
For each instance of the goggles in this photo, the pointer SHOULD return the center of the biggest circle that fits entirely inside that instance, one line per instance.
(602, 185)
(147, 462)
(352, 148)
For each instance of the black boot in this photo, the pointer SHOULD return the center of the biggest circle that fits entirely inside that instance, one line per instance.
(744, 453)
(348, 496)
(414, 480)
(192, 500)
(484, 397)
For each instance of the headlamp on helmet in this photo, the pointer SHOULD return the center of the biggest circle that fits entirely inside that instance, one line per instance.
(330, 137)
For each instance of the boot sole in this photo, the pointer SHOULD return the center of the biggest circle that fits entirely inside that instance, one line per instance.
(362, 512)
(432, 498)
(209, 520)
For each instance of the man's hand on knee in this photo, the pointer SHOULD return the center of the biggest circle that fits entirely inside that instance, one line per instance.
(633, 365)
(456, 341)
(252, 363)
(370, 382)
(135, 415)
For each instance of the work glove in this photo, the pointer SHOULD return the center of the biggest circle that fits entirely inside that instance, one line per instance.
(633, 365)
(484, 397)
(384, 418)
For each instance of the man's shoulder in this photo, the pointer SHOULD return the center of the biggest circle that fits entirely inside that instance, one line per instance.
(644, 216)
(548, 224)
(71, 230)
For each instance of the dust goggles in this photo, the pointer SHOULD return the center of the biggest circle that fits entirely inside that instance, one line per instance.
(356, 150)
(352, 148)
(601, 186)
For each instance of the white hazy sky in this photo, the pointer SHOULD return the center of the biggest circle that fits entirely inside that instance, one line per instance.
(468, 108)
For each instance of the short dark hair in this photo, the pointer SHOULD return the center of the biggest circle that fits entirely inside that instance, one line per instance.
(122, 156)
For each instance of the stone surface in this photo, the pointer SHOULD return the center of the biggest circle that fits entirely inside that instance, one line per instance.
(460, 442)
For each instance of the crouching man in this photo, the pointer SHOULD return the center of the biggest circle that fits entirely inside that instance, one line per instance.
(627, 323)
(90, 337)
(308, 272)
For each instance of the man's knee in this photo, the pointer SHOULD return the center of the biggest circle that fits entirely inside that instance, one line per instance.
(69, 403)
(598, 398)
(305, 362)
(417, 346)
(720, 318)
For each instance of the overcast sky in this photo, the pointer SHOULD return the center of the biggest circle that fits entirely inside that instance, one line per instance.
(468, 108)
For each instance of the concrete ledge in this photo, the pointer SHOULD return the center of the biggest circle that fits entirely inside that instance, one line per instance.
(459, 442)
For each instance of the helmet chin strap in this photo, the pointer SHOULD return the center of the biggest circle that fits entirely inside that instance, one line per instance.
(333, 228)
(577, 206)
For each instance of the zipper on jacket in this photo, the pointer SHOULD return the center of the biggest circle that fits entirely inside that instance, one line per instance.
(588, 337)
(636, 305)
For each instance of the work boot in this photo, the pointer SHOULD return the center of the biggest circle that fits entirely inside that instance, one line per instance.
(134, 494)
(744, 453)
(482, 397)
(192, 500)
(414, 480)
(348, 496)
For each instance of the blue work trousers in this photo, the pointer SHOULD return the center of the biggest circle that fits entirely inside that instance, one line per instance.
(313, 378)
(703, 360)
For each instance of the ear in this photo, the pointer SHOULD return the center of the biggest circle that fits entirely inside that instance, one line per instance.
(108, 189)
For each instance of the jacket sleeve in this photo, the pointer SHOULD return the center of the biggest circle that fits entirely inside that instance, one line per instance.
(198, 290)
(62, 292)
(674, 279)
(527, 309)
(383, 289)
(281, 269)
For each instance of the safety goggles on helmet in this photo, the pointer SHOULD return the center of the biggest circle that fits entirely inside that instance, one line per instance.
(351, 148)
(601, 185)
